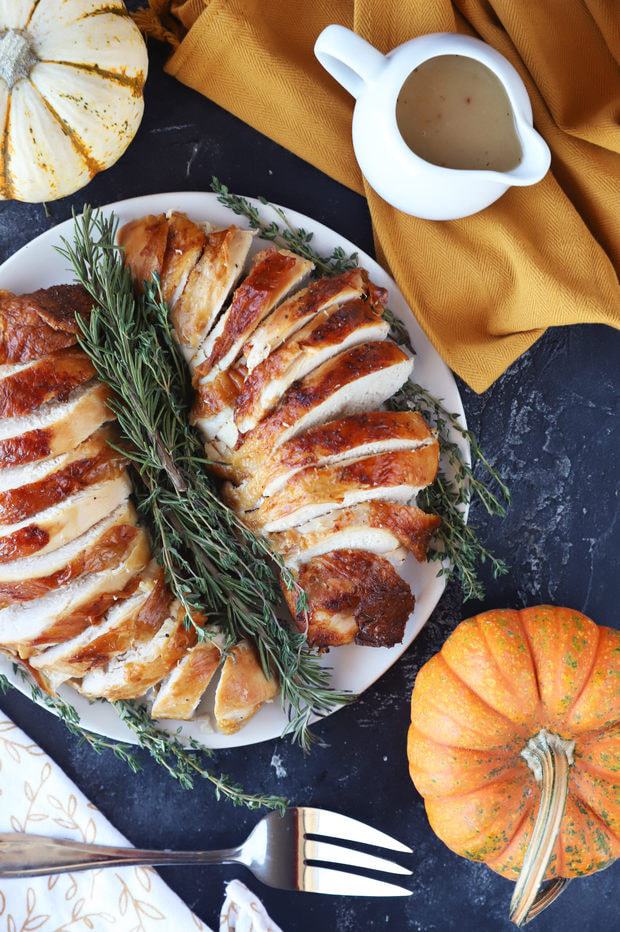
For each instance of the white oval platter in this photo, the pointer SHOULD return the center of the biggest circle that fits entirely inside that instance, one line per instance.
(38, 265)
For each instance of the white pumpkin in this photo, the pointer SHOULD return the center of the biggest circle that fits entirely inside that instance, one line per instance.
(71, 80)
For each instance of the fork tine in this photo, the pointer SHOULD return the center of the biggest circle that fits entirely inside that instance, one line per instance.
(323, 851)
(334, 825)
(339, 883)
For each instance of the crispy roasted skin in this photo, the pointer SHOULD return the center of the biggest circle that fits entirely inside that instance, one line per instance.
(53, 378)
(412, 528)
(222, 392)
(333, 438)
(23, 502)
(23, 543)
(144, 241)
(322, 484)
(142, 627)
(268, 274)
(330, 329)
(107, 551)
(353, 595)
(186, 241)
(37, 324)
(253, 447)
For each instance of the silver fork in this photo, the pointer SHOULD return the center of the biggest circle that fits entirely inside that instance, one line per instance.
(280, 851)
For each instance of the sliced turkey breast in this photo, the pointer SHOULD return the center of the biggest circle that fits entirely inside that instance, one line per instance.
(359, 379)
(329, 333)
(376, 526)
(56, 526)
(214, 404)
(65, 612)
(141, 667)
(299, 310)
(37, 324)
(41, 381)
(396, 477)
(90, 463)
(186, 241)
(101, 545)
(180, 693)
(208, 285)
(54, 428)
(352, 596)
(144, 242)
(273, 274)
(136, 619)
(346, 438)
(242, 689)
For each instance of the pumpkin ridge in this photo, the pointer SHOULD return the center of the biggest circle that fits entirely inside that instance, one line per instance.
(6, 188)
(502, 674)
(502, 854)
(32, 12)
(528, 644)
(582, 802)
(595, 655)
(136, 85)
(115, 10)
(76, 141)
(460, 679)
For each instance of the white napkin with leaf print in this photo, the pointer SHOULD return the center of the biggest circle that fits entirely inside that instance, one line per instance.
(37, 797)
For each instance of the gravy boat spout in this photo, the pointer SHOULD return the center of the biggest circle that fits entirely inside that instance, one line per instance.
(535, 157)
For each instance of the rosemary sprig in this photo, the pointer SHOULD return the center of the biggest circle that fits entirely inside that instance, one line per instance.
(296, 239)
(456, 543)
(181, 764)
(185, 765)
(213, 563)
(4, 685)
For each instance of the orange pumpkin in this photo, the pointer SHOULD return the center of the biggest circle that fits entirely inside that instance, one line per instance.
(515, 746)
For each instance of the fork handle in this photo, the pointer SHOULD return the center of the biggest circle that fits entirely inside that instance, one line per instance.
(24, 855)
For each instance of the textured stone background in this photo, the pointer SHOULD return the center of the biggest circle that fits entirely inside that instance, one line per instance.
(548, 423)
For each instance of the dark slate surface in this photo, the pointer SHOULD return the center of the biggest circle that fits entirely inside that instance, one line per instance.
(548, 422)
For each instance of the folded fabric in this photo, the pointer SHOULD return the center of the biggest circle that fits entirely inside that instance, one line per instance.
(38, 798)
(486, 287)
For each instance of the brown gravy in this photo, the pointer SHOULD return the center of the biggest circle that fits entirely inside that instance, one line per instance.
(454, 112)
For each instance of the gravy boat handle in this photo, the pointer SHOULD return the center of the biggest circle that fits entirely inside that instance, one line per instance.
(349, 59)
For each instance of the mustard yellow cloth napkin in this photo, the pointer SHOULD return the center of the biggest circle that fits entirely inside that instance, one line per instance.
(486, 287)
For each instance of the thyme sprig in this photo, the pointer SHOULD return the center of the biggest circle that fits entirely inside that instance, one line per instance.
(456, 544)
(296, 239)
(214, 564)
(182, 764)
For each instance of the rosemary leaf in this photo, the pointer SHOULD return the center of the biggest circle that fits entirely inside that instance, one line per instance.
(4, 685)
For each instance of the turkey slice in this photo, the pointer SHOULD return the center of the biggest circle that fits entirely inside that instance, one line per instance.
(342, 439)
(56, 526)
(41, 381)
(54, 428)
(328, 333)
(214, 404)
(299, 309)
(242, 689)
(180, 693)
(396, 476)
(30, 577)
(186, 241)
(376, 526)
(65, 612)
(138, 669)
(352, 595)
(144, 244)
(37, 324)
(360, 379)
(209, 284)
(274, 273)
(133, 620)
(90, 463)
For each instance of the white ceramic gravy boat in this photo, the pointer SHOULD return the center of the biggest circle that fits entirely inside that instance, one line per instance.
(401, 177)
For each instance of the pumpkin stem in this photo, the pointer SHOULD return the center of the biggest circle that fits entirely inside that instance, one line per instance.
(549, 757)
(17, 57)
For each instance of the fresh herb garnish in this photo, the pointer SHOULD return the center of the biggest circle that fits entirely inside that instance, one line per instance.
(455, 543)
(182, 764)
(213, 562)
(296, 239)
